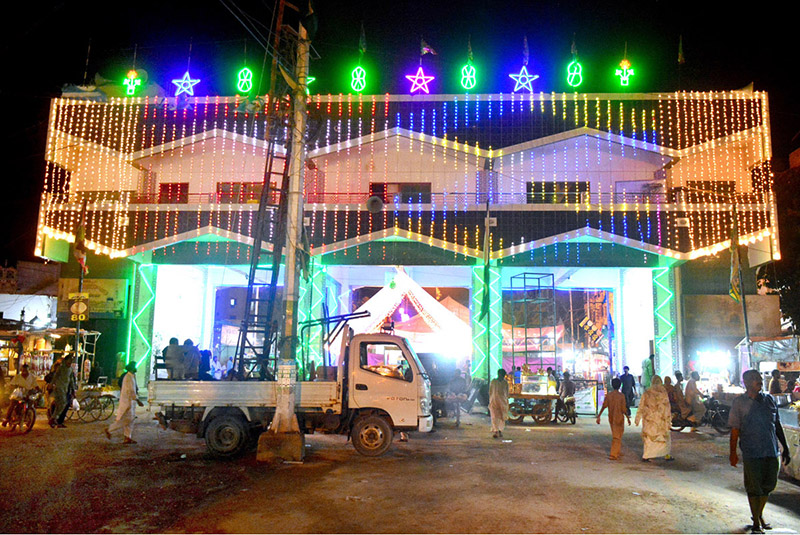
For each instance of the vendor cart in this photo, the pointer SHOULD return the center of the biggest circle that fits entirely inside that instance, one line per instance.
(538, 406)
(533, 396)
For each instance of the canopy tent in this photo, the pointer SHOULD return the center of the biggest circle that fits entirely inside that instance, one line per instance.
(434, 329)
(768, 349)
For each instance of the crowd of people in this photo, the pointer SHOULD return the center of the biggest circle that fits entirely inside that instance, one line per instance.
(755, 425)
(187, 362)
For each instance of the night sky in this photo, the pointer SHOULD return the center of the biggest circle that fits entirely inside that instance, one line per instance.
(45, 46)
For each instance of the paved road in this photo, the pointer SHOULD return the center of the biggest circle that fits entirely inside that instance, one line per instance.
(545, 479)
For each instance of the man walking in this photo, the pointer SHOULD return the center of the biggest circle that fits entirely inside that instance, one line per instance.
(628, 387)
(126, 413)
(64, 387)
(498, 403)
(756, 429)
(615, 403)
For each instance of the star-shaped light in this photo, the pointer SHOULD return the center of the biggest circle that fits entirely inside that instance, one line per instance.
(185, 84)
(523, 79)
(419, 81)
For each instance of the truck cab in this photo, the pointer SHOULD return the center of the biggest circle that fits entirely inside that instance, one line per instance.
(386, 379)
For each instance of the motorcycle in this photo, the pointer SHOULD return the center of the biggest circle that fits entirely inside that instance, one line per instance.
(23, 409)
(565, 412)
(716, 416)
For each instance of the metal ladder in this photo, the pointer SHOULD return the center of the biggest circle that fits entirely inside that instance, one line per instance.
(259, 328)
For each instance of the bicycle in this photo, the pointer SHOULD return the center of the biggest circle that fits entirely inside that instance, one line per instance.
(93, 406)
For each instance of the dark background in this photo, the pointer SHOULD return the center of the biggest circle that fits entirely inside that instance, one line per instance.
(45, 45)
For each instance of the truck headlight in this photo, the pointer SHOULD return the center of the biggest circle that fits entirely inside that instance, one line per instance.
(425, 406)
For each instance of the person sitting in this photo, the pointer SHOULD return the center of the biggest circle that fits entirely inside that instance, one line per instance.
(566, 390)
(694, 397)
(25, 380)
(191, 360)
(775, 383)
(204, 368)
(173, 359)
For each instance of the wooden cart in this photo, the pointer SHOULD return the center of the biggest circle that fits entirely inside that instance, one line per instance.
(538, 406)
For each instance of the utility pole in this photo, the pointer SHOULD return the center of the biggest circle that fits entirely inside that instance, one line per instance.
(284, 438)
(294, 213)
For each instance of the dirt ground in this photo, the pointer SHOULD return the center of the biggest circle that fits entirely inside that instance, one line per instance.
(538, 479)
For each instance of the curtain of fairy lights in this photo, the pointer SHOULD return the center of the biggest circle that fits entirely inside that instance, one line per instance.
(658, 169)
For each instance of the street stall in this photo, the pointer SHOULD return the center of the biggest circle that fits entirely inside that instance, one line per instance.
(40, 348)
(533, 395)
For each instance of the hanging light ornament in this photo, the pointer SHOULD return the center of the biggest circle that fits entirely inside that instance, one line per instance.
(574, 69)
(625, 71)
(358, 76)
(419, 82)
(523, 79)
(468, 71)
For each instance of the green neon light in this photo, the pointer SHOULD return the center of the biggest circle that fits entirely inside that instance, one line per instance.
(131, 82)
(308, 82)
(625, 72)
(317, 298)
(480, 331)
(138, 314)
(574, 76)
(130, 317)
(495, 318)
(468, 80)
(665, 303)
(479, 327)
(358, 79)
(244, 80)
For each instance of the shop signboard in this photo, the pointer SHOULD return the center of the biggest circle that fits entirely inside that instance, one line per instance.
(79, 306)
(108, 298)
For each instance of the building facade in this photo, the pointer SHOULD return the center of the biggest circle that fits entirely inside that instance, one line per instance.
(617, 196)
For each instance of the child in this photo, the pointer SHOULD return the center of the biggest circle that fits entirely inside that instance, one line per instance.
(617, 412)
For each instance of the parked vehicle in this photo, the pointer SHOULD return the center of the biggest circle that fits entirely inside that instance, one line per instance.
(566, 412)
(716, 416)
(378, 387)
(23, 409)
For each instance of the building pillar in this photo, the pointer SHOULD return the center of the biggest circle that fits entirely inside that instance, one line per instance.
(140, 321)
(487, 331)
(311, 300)
(665, 316)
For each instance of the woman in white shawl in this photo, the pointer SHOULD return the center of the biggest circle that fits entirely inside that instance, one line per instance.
(654, 412)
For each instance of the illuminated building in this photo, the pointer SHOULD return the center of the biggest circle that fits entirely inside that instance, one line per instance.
(615, 192)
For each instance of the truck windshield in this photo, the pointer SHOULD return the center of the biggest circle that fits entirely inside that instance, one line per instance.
(414, 356)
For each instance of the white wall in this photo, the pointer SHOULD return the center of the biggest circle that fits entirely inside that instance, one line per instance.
(600, 161)
(725, 161)
(398, 159)
(208, 162)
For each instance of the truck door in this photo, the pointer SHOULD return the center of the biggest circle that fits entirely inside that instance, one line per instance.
(384, 379)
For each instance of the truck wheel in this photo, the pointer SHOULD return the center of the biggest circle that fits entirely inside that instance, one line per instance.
(371, 435)
(226, 436)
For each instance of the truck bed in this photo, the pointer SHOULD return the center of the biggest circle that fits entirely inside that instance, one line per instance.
(309, 395)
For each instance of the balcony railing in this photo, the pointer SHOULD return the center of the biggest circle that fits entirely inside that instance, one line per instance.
(458, 201)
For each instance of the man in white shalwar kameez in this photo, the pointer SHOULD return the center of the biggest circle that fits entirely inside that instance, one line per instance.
(656, 417)
(126, 413)
(498, 403)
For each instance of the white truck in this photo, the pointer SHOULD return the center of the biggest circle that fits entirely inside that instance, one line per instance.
(377, 387)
